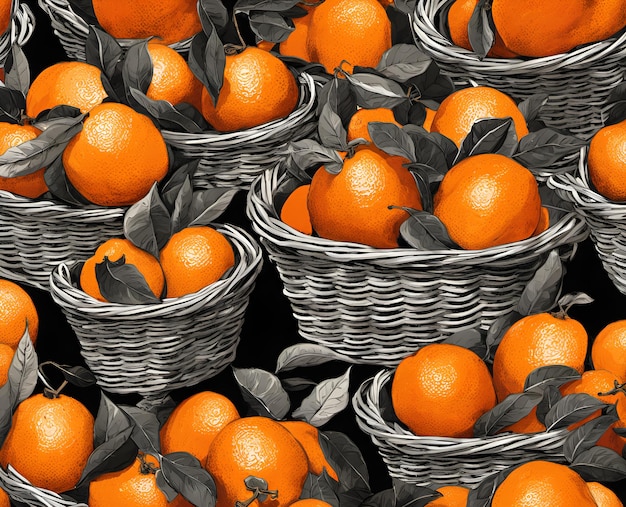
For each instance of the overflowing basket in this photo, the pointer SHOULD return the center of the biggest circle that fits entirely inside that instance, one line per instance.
(20, 29)
(577, 82)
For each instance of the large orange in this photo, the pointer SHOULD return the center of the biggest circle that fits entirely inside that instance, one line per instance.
(297, 42)
(488, 200)
(169, 20)
(459, 110)
(358, 125)
(295, 212)
(194, 258)
(114, 249)
(117, 156)
(49, 441)
(30, 185)
(193, 424)
(76, 84)
(453, 496)
(5, 15)
(258, 88)
(607, 161)
(357, 31)
(442, 390)
(603, 496)
(6, 356)
(354, 204)
(608, 350)
(259, 447)
(16, 310)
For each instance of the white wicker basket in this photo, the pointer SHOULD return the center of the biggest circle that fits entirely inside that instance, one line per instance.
(20, 29)
(21, 490)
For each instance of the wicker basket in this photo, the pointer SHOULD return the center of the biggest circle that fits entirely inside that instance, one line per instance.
(577, 82)
(21, 490)
(36, 235)
(153, 349)
(606, 220)
(234, 159)
(377, 306)
(437, 461)
(21, 28)
(72, 30)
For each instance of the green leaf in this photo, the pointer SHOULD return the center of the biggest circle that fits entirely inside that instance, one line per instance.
(137, 68)
(22, 374)
(425, 231)
(346, 460)
(330, 129)
(481, 29)
(531, 107)
(185, 474)
(103, 51)
(544, 148)
(489, 135)
(209, 204)
(509, 411)
(17, 70)
(146, 429)
(215, 11)
(544, 289)
(392, 139)
(263, 392)
(338, 94)
(12, 102)
(84, 9)
(328, 398)
(207, 60)
(572, 409)
(294, 384)
(406, 6)
(180, 216)
(246, 6)
(403, 62)
(586, 436)
(163, 112)
(409, 495)
(62, 111)
(308, 153)
(552, 375)
(147, 223)
(123, 283)
(270, 26)
(169, 492)
(551, 396)
(375, 91)
(321, 487)
(385, 498)
(600, 464)
(573, 298)
(470, 339)
(59, 186)
(498, 329)
(304, 355)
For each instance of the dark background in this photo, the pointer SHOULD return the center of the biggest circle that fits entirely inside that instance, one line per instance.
(269, 326)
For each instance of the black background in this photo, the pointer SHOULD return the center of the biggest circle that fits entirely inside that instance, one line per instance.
(269, 326)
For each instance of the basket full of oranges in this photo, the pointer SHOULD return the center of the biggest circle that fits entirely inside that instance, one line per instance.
(17, 23)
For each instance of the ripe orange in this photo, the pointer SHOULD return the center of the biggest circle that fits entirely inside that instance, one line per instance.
(310, 502)
(354, 204)
(114, 249)
(459, 110)
(603, 496)
(30, 185)
(194, 258)
(543, 483)
(453, 496)
(297, 42)
(357, 127)
(193, 424)
(5, 501)
(537, 340)
(6, 356)
(49, 441)
(135, 486)
(295, 212)
(442, 390)
(16, 310)
(608, 350)
(308, 437)
(117, 156)
(357, 31)
(169, 20)
(5, 15)
(258, 88)
(544, 222)
(428, 121)
(259, 447)
(76, 84)
(607, 161)
(488, 200)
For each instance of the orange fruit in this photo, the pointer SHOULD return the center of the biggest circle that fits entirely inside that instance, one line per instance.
(265, 45)
(16, 310)
(5, 501)
(453, 496)
(49, 441)
(606, 161)
(169, 20)
(193, 424)
(308, 437)
(428, 121)
(354, 204)
(459, 110)
(543, 483)
(358, 125)
(172, 79)
(259, 447)
(544, 222)
(603, 496)
(442, 390)
(194, 258)
(297, 42)
(608, 350)
(134, 486)
(114, 249)
(117, 156)
(76, 84)
(537, 340)
(30, 185)
(258, 88)
(310, 502)
(6, 356)
(357, 31)
(488, 200)
(5, 15)
(295, 212)
(527, 424)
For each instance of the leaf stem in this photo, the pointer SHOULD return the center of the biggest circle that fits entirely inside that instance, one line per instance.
(617, 388)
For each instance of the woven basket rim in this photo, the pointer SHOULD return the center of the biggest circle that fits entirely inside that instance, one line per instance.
(21, 28)
(16, 481)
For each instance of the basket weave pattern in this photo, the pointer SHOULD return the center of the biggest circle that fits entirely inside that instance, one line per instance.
(20, 29)
(18, 487)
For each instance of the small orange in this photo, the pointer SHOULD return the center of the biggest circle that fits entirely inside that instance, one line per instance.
(608, 350)
(194, 258)
(453, 496)
(295, 212)
(310, 502)
(297, 42)
(30, 185)
(607, 161)
(358, 125)
(544, 222)
(193, 424)
(603, 496)
(16, 310)
(428, 121)
(6, 356)
(5, 15)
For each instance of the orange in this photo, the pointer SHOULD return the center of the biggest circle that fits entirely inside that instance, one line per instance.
(607, 161)
(442, 390)
(49, 441)
(295, 212)
(259, 447)
(16, 310)
(5, 501)
(308, 437)
(357, 31)
(30, 185)
(527, 424)
(6, 356)
(453, 496)
(258, 88)
(265, 45)
(169, 20)
(488, 200)
(5, 15)
(537, 340)
(134, 486)
(543, 483)
(297, 42)
(354, 204)
(603, 496)
(194, 258)
(358, 125)
(428, 121)
(114, 249)
(608, 350)
(459, 110)
(544, 222)
(117, 156)
(603, 19)
(172, 79)
(193, 424)
(310, 502)
(76, 84)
